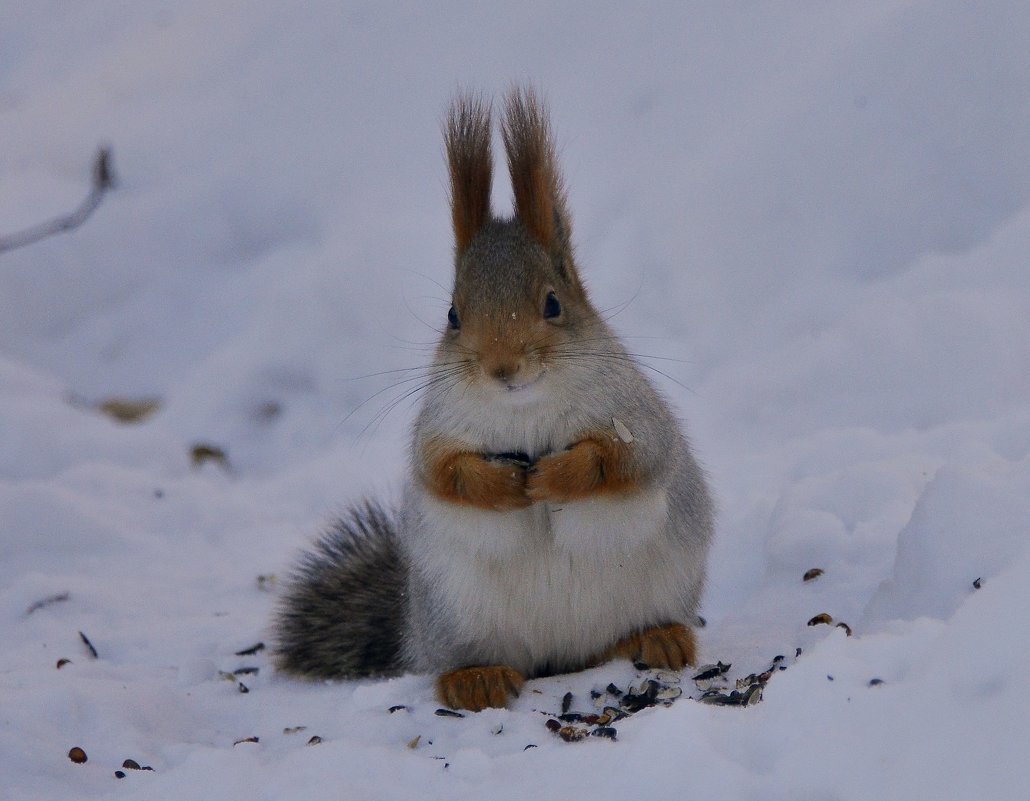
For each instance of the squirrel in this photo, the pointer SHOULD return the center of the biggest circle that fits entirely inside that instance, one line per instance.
(554, 516)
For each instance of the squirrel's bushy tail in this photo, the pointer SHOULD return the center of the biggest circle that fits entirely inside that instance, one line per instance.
(342, 611)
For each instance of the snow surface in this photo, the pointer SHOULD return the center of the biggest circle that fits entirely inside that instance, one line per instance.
(817, 214)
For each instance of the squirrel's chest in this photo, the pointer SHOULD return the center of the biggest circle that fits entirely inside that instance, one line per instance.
(550, 585)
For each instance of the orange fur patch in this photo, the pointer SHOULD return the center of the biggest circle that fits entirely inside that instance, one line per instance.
(477, 688)
(598, 464)
(672, 646)
(472, 480)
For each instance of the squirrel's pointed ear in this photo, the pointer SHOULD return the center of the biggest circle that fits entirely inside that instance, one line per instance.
(535, 178)
(467, 137)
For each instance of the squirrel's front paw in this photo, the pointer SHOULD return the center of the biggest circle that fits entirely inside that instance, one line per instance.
(590, 467)
(476, 688)
(474, 480)
(670, 646)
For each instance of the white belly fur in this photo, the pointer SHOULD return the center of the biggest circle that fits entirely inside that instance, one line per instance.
(553, 584)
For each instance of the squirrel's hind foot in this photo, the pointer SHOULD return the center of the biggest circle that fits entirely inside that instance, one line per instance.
(477, 688)
(671, 646)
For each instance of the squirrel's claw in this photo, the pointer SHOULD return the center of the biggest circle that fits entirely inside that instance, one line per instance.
(672, 646)
(477, 688)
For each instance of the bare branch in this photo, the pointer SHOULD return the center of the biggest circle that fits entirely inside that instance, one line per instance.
(103, 180)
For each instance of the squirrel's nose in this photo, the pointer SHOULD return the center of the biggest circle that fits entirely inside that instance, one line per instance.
(504, 367)
(506, 371)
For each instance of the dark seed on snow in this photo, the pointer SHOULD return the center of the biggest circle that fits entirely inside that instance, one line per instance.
(821, 618)
(978, 583)
(531, 745)
(709, 672)
(846, 627)
(875, 682)
(397, 708)
(131, 764)
(613, 690)
(77, 755)
(448, 713)
(89, 646)
(566, 703)
(243, 688)
(62, 662)
(252, 650)
(779, 658)
(314, 740)
(247, 671)
(571, 717)
(814, 573)
(119, 774)
(552, 724)
(605, 731)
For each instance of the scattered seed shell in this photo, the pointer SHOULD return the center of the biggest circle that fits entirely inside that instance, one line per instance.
(448, 713)
(622, 431)
(119, 774)
(131, 764)
(397, 708)
(812, 574)
(977, 583)
(875, 682)
(669, 693)
(314, 740)
(203, 452)
(753, 695)
(50, 600)
(126, 410)
(294, 729)
(62, 662)
(252, 650)
(89, 646)
(571, 734)
(821, 618)
(77, 755)
(566, 703)
(845, 626)
(552, 724)
(708, 672)
(247, 740)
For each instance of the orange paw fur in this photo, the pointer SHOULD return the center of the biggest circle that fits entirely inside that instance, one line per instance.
(672, 646)
(476, 688)
(593, 466)
(468, 478)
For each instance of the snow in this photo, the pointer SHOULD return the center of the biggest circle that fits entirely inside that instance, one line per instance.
(815, 216)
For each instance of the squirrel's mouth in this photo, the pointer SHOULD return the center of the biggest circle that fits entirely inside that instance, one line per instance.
(514, 388)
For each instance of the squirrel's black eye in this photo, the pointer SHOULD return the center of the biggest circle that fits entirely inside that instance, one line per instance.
(452, 319)
(552, 308)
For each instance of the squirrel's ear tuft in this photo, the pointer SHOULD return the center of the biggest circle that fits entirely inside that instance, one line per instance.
(467, 137)
(535, 179)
